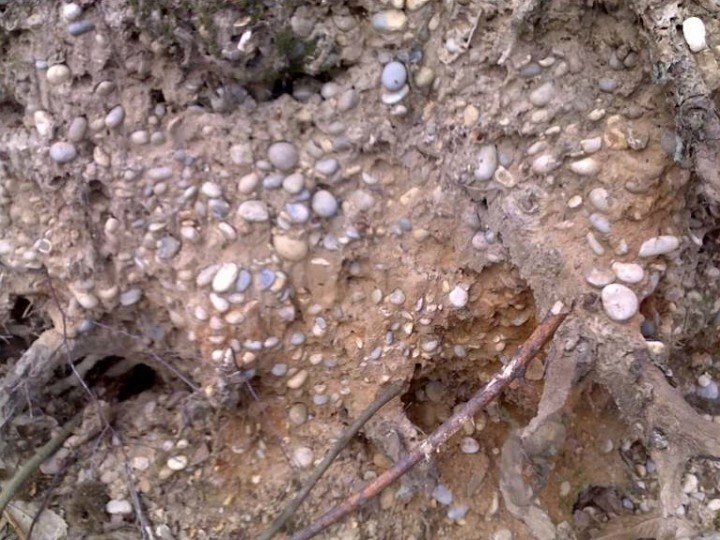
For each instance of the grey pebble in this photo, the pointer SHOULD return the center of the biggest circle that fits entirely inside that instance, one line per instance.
(244, 280)
(266, 279)
(324, 204)
(542, 95)
(321, 399)
(327, 167)
(394, 76)
(443, 495)
(130, 297)
(600, 223)
(708, 392)
(298, 414)
(77, 129)
(294, 183)
(279, 370)
(530, 70)
(607, 85)
(79, 28)
(254, 211)
(159, 173)
(457, 513)
(298, 212)
(273, 181)
(283, 155)
(167, 247)
(487, 163)
(115, 117)
(297, 339)
(219, 208)
(62, 152)
(348, 100)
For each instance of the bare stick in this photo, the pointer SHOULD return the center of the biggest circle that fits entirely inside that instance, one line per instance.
(390, 393)
(43, 453)
(452, 425)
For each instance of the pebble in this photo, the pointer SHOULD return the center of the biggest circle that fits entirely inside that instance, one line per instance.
(71, 12)
(62, 152)
(443, 495)
(80, 27)
(659, 245)
(413, 5)
(599, 278)
(607, 85)
(424, 77)
(545, 163)
(130, 297)
(590, 146)
(225, 277)
(289, 248)
(118, 507)
(167, 247)
(391, 20)
(254, 211)
(294, 183)
(628, 272)
(87, 300)
(704, 380)
(298, 212)
(273, 181)
(458, 297)
(394, 76)
(458, 513)
(303, 456)
(77, 129)
(502, 534)
(542, 95)
(177, 463)
(694, 34)
(348, 100)
(115, 117)
(708, 392)
(600, 223)
(619, 302)
(468, 445)
(297, 380)
(530, 70)
(324, 204)
(6, 247)
(327, 167)
(244, 281)
(598, 197)
(283, 155)
(690, 484)
(211, 189)
(397, 297)
(298, 414)
(58, 74)
(565, 488)
(487, 163)
(575, 201)
(713, 505)
(140, 137)
(391, 98)
(586, 167)
(248, 183)
(267, 278)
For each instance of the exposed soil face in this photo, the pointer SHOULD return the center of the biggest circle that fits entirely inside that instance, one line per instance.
(231, 305)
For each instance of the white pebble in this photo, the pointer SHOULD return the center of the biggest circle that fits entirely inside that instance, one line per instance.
(71, 12)
(283, 155)
(324, 204)
(303, 456)
(58, 74)
(177, 463)
(690, 484)
(458, 297)
(254, 211)
(130, 297)
(289, 248)
(392, 20)
(211, 189)
(545, 163)
(487, 163)
(628, 272)
(394, 76)
(590, 146)
(619, 302)
(599, 278)
(713, 505)
(599, 199)
(704, 380)
(586, 167)
(468, 445)
(694, 33)
(575, 201)
(503, 534)
(659, 245)
(115, 117)
(594, 244)
(297, 380)
(542, 95)
(118, 507)
(225, 277)
(442, 495)
(391, 98)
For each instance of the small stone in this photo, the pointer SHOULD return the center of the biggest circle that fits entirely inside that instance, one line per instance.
(294, 183)
(77, 129)
(289, 248)
(458, 513)
(424, 77)
(607, 85)
(628, 272)
(80, 27)
(713, 505)
(254, 211)
(503, 534)
(575, 202)
(458, 297)
(542, 95)
(248, 183)
(659, 245)
(533, 69)
(397, 297)
(58, 74)
(619, 302)
(600, 223)
(120, 507)
(468, 445)
(599, 199)
(565, 488)
(599, 278)
(394, 76)
(298, 414)
(298, 212)
(297, 380)
(708, 392)
(130, 297)
(211, 189)
(115, 117)
(267, 278)
(140, 137)
(392, 20)
(327, 167)
(303, 456)
(704, 380)
(690, 484)
(348, 100)
(545, 163)
(324, 204)
(590, 146)
(283, 155)
(586, 167)
(443, 495)
(177, 463)
(244, 281)
(487, 163)
(168, 247)
(392, 98)
(70, 12)
(225, 277)
(62, 152)
(694, 34)
(414, 5)
(6, 247)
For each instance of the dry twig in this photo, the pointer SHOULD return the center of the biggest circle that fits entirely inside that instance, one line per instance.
(390, 393)
(452, 425)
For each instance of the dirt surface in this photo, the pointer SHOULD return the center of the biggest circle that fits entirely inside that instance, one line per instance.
(526, 157)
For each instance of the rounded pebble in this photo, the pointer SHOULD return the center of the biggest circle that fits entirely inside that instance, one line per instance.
(708, 392)
(545, 163)
(58, 74)
(585, 167)
(391, 20)
(115, 117)
(392, 98)
(598, 197)
(458, 297)
(628, 272)
(289, 248)
(327, 167)
(599, 278)
(659, 245)
(62, 152)
(542, 95)
(394, 76)
(130, 297)
(80, 27)
(324, 204)
(600, 223)
(294, 183)
(694, 33)
(177, 463)
(70, 12)
(487, 163)
(468, 445)
(297, 380)
(77, 129)
(225, 277)
(298, 414)
(303, 456)
(118, 507)
(442, 495)
(619, 302)
(254, 211)
(283, 155)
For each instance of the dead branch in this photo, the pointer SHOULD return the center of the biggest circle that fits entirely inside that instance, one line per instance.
(42, 454)
(452, 425)
(390, 393)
